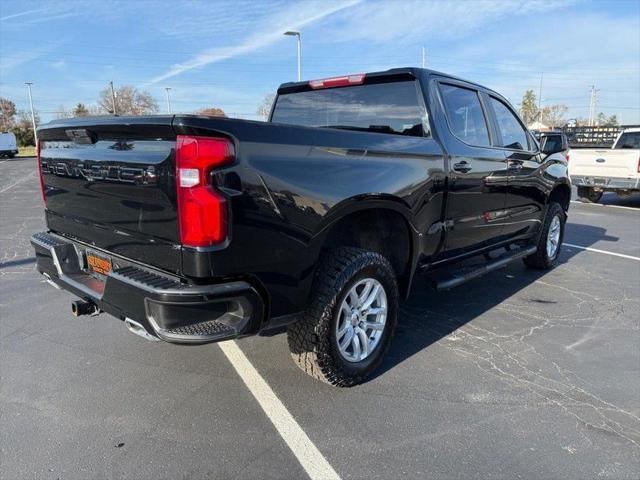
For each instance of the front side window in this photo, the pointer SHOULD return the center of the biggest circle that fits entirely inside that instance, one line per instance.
(514, 135)
(392, 107)
(465, 115)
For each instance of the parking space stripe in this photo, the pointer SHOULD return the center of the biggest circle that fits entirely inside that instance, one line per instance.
(621, 255)
(23, 179)
(296, 439)
(602, 205)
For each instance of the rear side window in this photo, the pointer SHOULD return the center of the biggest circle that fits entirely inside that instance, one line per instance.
(465, 115)
(395, 107)
(513, 133)
(629, 140)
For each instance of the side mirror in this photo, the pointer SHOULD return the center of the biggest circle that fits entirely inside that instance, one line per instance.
(555, 144)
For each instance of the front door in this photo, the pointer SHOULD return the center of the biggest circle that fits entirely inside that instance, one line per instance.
(526, 190)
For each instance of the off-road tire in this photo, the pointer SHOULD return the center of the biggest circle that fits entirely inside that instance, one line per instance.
(589, 194)
(312, 340)
(540, 259)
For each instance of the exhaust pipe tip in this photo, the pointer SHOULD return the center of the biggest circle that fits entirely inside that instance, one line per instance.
(82, 307)
(137, 329)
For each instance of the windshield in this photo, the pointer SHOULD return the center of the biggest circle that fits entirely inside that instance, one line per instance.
(395, 107)
(629, 140)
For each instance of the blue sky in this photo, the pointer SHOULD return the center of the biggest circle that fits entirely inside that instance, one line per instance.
(229, 54)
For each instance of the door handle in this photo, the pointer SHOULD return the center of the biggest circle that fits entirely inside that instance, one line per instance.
(462, 167)
(514, 164)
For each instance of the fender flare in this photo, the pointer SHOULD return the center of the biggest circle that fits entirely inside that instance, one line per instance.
(362, 203)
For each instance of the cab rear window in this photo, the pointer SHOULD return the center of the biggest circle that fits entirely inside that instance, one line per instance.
(629, 140)
(395, 108)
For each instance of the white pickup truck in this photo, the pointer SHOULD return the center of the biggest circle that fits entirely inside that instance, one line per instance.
(595, 171)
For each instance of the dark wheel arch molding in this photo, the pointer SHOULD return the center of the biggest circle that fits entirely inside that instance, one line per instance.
(560, 193)
(388, 207)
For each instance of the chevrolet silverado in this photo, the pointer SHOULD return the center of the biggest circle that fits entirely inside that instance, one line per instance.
(194, 229)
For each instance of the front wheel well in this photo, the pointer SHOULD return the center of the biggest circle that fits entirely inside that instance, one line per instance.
(562, 195)
(379, 230)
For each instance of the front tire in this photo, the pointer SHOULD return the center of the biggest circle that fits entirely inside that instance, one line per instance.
(351, 318)
(589, 194)
(550, 240)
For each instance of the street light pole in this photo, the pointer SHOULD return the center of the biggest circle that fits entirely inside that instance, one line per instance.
(297, 34)
(33, 115)
(113, 98)
(166, 90)
(540, 92)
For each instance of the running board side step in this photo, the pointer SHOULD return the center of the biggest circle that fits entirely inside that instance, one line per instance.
(460, 277)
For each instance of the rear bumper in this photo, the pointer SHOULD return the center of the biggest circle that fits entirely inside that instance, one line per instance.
(605, 183)
(165, 306)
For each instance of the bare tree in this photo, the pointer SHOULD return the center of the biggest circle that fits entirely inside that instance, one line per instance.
(7, 114)
(95, 110)
(604, 121)
(129, 101)
(265, 107)
(62, 112)
(212, 112)
(554, 115)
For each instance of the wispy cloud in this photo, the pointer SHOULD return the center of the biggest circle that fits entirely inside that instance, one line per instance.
(294, 17)
(50, 11)
(383, 21)
(21, 14)
(10, 62)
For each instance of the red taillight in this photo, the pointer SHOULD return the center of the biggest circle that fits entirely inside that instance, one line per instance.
(344, 81)
(202, 211)
(639, 164)
(39, 167)
(566, 155)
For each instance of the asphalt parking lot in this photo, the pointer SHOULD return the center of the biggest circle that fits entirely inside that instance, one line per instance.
(519, 374)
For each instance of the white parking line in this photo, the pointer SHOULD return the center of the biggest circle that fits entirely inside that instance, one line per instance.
(622, 255)
(8, 187)
(610, 206)
(302, 447)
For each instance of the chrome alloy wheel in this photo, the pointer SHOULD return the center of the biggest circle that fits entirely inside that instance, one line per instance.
(361, 320)
(553, 237)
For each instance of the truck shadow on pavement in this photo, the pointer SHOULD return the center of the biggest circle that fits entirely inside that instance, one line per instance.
(610, 198)
(429, 316)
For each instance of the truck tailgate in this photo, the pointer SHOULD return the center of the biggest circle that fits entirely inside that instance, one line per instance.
(110, 182)
(604, 163)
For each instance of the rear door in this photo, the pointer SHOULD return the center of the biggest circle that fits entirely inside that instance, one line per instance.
(477, 171)
(525, 198)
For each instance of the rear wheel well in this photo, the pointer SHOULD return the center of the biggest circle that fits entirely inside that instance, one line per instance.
(562, 195)
(380, 230)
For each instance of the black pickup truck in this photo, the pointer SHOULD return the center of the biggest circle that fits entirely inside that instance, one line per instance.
(196, 229)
